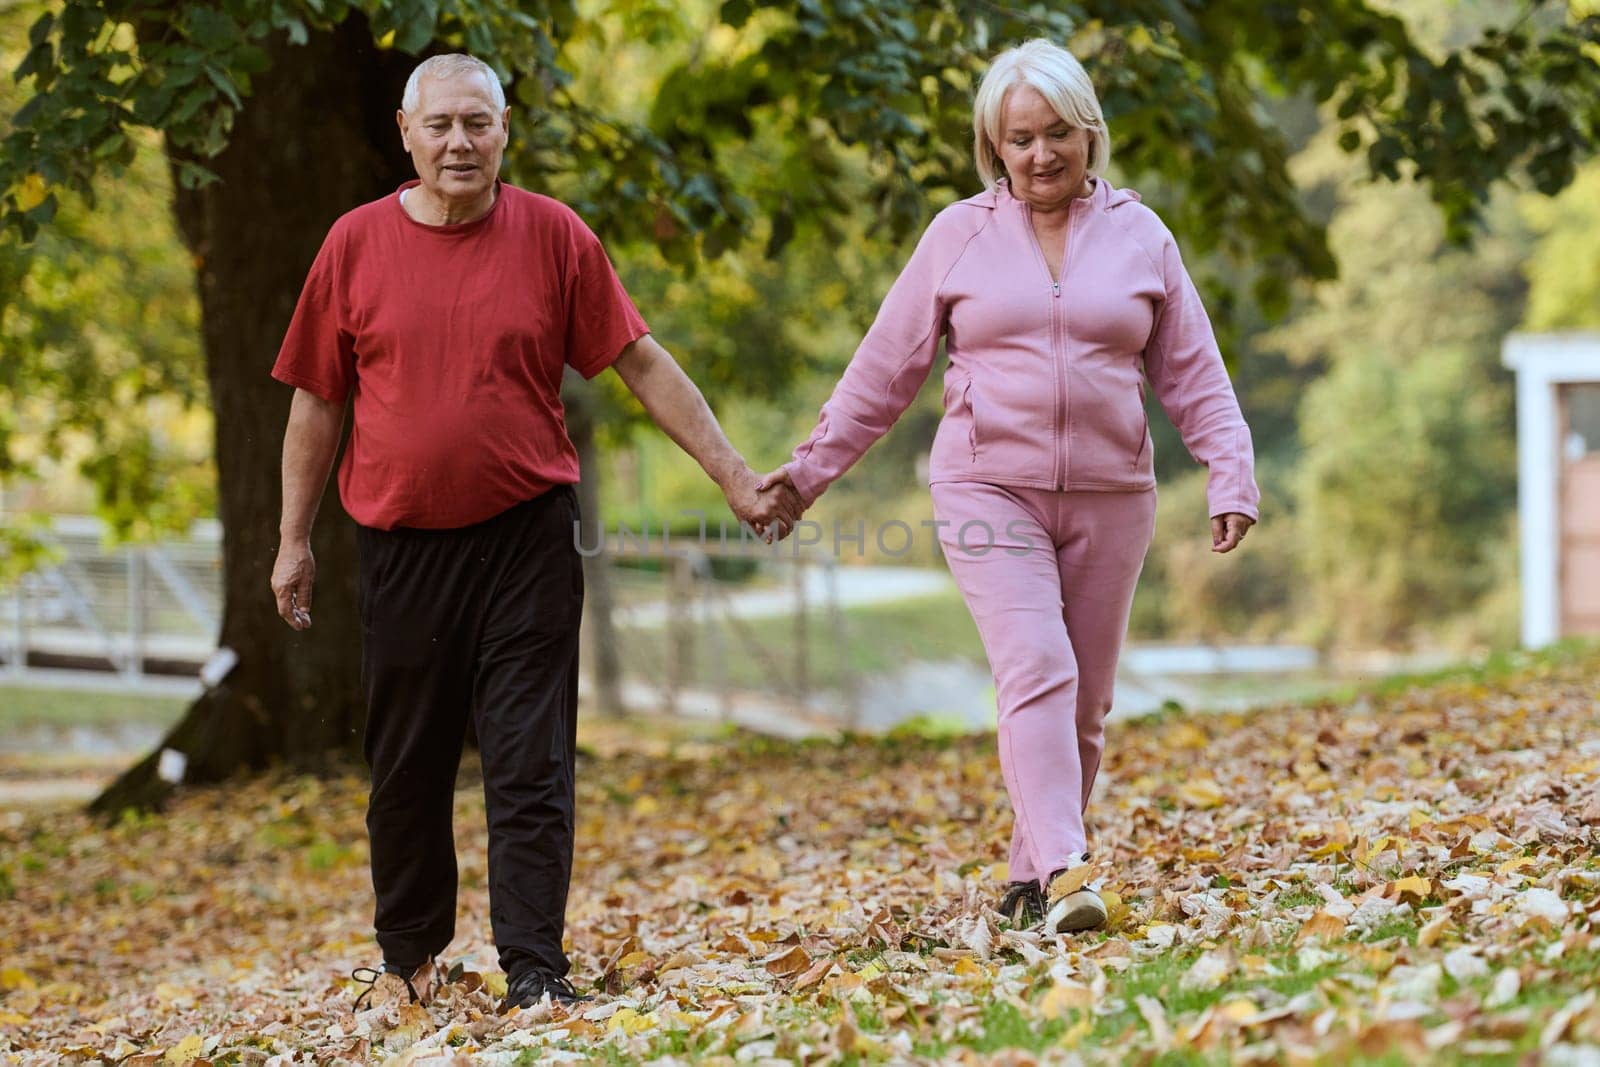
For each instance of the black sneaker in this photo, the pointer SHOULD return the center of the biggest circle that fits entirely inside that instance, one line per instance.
(1023, 904)
(391, 985)
(530, 987)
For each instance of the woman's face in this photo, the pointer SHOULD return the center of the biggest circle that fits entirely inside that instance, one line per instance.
(1046, 159)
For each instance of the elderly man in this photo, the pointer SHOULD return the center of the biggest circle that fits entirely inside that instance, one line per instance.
(446, 313)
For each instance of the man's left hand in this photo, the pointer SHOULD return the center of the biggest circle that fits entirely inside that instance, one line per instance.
(1228, 530)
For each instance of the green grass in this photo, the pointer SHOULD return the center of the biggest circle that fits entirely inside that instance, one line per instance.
(1499, 666)
(26, 707)
(761, 653)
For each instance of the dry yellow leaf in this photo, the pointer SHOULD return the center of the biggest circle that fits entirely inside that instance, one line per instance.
(965, 968)
(629, 1021)
(871, 971)
(1239, 1010)
(1377, 845)
(185, 1051)
(1511, 866)
(1374, 959)
(1069, 881)
(15, 978)
(1432, 929)
(1201, 793)
(1117, 911)
(1064, 997)
(1418, 819)
(1415, 886)
(1076, 1032)
(1322, 925)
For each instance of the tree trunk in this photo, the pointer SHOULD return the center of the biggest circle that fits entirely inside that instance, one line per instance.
(316, 139)
(601, 632)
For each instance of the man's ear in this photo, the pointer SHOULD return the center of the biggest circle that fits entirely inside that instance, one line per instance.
(405, 133)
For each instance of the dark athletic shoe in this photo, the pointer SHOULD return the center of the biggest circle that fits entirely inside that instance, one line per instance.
(391, 985)
(530, 987)
(1023, 904)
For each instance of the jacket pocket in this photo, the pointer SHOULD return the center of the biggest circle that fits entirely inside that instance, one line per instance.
(972, 418)
(1144, 430)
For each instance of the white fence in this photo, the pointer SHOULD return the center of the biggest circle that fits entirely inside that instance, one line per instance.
(764, 638)
(130, 614)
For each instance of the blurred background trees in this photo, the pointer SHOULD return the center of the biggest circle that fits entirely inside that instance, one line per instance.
(758, 172)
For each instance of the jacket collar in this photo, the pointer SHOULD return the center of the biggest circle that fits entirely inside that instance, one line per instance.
(1104, 197)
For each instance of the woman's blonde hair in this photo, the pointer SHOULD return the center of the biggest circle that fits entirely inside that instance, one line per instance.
(1060, 79)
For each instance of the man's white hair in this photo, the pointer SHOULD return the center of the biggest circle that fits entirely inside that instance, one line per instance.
(451, 65)
(1060, 79)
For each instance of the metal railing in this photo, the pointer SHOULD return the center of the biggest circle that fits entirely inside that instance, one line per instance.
(134, 611)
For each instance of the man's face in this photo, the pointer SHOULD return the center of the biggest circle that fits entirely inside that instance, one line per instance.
(455, 137)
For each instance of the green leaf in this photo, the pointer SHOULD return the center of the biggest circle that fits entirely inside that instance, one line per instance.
(25, 114)
(45, 211)
(192, 175)
(220, 80)
(40, 58)
(415, 21)
(211, 29)
(41, 29)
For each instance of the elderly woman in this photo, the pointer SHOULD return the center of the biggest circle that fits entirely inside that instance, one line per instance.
(1057, 296)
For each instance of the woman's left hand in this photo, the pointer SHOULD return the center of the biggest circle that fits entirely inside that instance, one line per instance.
(1228, 530)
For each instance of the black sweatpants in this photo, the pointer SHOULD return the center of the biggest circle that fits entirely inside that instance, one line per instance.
(482, 619)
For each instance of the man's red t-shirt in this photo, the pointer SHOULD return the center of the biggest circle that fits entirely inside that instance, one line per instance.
(452, 340)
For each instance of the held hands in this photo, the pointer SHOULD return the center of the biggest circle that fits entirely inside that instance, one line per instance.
(767, 507)
(1228, 530)
(293, 576)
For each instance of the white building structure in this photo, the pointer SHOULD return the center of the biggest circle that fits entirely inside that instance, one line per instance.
(1558, 480)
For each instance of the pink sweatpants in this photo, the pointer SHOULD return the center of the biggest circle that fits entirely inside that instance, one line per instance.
(1049, 578)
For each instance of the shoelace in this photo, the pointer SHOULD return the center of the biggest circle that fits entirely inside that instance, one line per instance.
(372, 983)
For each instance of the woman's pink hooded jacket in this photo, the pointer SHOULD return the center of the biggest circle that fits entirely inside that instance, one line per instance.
(1045, 386)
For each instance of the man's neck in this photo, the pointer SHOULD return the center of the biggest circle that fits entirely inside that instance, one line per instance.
(425, 208)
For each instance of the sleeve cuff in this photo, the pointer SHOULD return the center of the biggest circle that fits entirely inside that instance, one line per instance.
(804, 482)
(310, 385)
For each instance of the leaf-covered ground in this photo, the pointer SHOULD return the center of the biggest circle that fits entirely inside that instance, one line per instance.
(1404, 878)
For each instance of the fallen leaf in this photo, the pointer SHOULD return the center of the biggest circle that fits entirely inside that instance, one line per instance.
(789, 963)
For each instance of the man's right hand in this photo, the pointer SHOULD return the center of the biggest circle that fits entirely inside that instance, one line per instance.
(293, 575)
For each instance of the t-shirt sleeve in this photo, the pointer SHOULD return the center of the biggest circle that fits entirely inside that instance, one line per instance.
(601, 318)
(318, 355)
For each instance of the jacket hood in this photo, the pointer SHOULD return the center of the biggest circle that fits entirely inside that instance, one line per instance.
(1104, 197)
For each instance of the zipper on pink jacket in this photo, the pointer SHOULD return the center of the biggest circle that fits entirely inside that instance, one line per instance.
(1062, 402)
(1055, 362)
(1064, 460)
